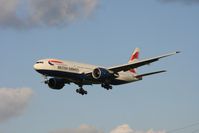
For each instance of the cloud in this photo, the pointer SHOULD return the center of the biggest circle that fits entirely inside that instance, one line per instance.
(13, 102)
(181, 1)
(122, 129)
(126, 129)
(90, 129)
(82, 129)
(23, 14)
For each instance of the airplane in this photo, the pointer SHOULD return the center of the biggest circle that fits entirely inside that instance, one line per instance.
(62, 72)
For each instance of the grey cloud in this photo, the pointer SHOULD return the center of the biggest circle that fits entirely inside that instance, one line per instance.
(20, 14)
(8, 10)
(13, 102)
(182, 1)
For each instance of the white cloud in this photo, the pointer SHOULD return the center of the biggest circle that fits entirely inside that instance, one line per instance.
(82, 129)
(125, 128)
(43, 13)
(13, 102)
(122, 129)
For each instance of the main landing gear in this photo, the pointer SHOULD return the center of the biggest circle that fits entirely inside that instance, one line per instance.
(81, 91)
(84, 92)
(107, 86)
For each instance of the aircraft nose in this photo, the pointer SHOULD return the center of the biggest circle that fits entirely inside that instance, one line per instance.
(35, 66)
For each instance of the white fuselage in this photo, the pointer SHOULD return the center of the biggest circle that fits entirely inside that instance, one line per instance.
(75, 72)
(65, 72)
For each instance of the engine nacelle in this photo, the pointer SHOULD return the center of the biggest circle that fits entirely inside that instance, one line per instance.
(101, 73)
(56, 84)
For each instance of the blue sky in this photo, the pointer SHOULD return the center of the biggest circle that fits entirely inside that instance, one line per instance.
(105, 34)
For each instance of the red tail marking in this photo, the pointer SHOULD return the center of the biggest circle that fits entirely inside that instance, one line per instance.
(134, 56)
(132, 71)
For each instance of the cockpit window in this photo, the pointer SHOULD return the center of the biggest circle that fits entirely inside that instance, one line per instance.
(39, 62)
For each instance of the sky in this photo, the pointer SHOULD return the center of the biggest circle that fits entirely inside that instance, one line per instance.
(100, 32)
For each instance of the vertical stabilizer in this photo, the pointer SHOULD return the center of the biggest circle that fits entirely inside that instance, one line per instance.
(134, 57)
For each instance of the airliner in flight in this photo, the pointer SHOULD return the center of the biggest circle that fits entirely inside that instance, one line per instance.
(57, 72)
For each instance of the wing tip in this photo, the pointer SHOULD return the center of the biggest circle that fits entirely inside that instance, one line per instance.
(162, 71)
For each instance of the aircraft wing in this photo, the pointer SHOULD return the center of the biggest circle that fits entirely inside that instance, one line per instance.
(139, 63)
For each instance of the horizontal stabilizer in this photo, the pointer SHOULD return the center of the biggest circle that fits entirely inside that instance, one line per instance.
(151, 73)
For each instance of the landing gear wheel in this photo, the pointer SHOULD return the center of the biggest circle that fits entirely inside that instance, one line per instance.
(107, 86)
(110, 87)
(77, 90)
(81, 91)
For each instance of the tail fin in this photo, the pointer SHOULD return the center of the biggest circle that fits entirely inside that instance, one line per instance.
(134, 57)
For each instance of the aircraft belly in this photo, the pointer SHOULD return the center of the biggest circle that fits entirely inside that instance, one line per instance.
(73, 77)
(124, 77)
(84, 79)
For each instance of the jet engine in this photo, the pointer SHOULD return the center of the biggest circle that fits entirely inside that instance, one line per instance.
(55, 83)
(101, 73)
